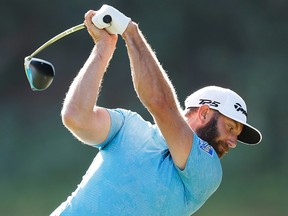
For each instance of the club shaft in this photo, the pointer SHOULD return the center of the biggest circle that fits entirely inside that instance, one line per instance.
(57, 37)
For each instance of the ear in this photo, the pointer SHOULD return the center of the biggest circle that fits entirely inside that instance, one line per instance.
(204, 114)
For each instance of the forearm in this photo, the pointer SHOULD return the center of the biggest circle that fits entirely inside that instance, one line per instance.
(158, 95)
(84, 90)
(150, 80)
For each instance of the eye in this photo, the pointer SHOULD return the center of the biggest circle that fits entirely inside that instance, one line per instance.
(233, 128)
(230, 127)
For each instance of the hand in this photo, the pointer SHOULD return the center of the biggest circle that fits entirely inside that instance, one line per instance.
(96, 33)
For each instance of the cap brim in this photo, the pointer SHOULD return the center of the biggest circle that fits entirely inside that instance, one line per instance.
(250, 135)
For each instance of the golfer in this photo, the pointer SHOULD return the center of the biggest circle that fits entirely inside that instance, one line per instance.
(170, 167)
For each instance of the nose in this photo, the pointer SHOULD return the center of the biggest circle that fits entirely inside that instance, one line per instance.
(232, 142)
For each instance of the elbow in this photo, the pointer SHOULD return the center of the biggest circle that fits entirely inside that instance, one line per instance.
(69, 118)
(157, 103)
(160, 105)
(65, 118)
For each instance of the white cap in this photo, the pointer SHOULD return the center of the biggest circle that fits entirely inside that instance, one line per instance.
(228, 103)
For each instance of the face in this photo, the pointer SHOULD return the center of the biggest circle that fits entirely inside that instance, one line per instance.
(221, 133)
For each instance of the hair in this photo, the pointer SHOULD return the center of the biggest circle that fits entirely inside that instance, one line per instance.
(188, 111)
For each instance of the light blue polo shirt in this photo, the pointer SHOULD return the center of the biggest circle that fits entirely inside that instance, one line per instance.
(134, 174)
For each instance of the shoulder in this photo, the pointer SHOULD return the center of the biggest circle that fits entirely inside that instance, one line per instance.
(128, 116)
(127, 120)
(203, 172)
(123, 112)
(203, 156)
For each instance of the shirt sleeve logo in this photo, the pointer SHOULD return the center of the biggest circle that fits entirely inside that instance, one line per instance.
(204, 146)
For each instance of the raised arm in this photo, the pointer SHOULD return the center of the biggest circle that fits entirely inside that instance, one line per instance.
(80, 113)
(157, 93)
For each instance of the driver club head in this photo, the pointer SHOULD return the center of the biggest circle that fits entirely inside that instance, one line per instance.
(40, 73)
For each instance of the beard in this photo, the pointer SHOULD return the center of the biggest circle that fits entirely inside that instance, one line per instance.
(210, 133)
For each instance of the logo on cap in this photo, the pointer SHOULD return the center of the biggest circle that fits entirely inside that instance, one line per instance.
(209, 102)
(239, 108)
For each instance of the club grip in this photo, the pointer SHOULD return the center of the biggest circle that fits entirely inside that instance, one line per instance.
(110, 19)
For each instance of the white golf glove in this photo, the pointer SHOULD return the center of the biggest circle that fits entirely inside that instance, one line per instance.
(110, 19)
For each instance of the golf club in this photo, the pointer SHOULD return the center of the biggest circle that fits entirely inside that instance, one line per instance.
(40, 73)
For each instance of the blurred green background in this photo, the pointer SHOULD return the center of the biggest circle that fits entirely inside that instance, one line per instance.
(237, 44)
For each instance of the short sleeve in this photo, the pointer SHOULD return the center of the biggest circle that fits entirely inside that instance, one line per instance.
(117, 117)
(203, 172)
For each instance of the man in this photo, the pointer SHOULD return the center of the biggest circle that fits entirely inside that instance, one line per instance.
(141, 168)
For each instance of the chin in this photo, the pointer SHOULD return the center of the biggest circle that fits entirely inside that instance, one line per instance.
(220, 155)
(220, 151)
